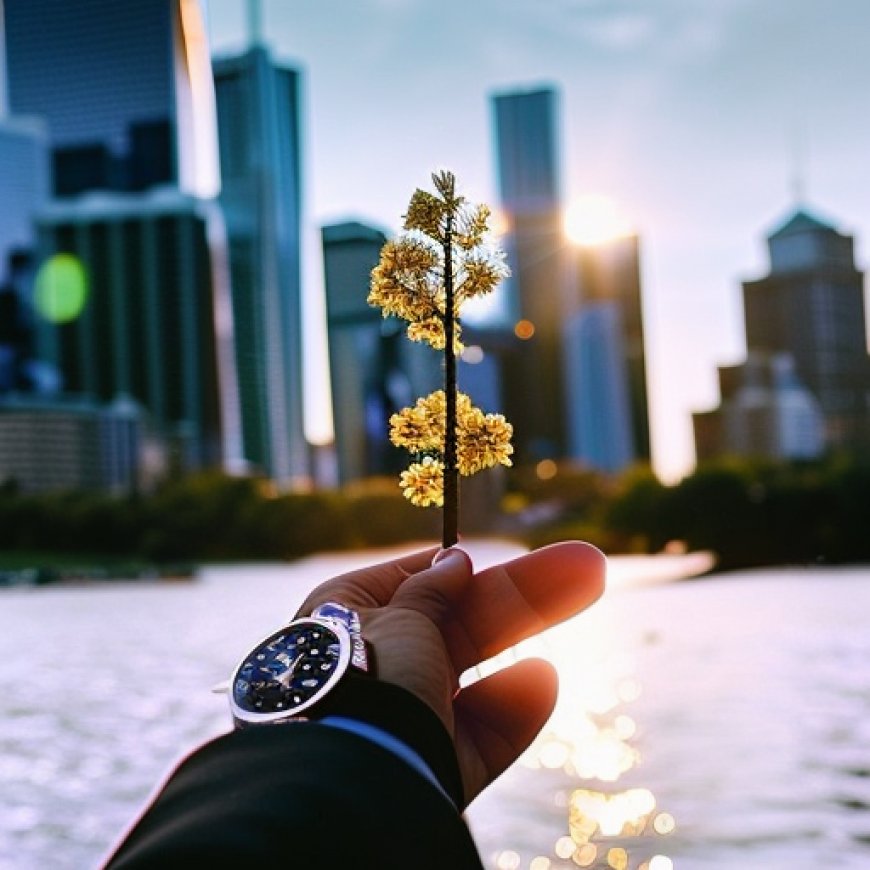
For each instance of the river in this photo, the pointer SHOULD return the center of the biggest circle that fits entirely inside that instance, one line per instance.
(717, 724)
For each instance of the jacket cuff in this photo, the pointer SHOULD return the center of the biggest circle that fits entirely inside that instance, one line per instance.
(403, 715)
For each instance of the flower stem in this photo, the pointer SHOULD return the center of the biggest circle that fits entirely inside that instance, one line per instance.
(451, 474)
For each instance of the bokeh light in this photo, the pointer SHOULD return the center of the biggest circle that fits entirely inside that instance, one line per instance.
(524, 329)
(473, 354)
(61, 290)
(585, 855)
(617, 858)
(546, 469)
(664, 823)
(564, 847)
(507, 860)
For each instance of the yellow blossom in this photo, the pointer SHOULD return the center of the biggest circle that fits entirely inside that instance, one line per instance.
(444, 245)
(483, 442)
(425, 213)
(431, 331)
(423, 483)
(420, 428)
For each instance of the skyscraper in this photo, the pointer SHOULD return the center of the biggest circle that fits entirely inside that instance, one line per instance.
(807, 353)
(149, 317)
(258, 127)
(24, 183)
(129, 266)
(528, 173)
(606, 382)
(811, 305)
(374, 369)
(596, 374)
(124, 89)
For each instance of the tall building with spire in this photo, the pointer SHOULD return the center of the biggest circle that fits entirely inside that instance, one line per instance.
(260, 150)
(809, 310)
(526, 139)
(811, 304)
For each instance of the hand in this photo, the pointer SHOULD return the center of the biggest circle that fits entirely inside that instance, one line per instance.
(428, 623)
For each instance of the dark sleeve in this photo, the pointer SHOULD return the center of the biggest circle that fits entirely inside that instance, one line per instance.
(306, 795)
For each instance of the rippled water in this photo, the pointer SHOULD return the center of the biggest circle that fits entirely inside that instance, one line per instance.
(723, 723)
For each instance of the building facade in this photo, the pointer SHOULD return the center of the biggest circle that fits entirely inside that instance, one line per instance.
(526, 138)
(374, 369)
(811, 305)
(260, 152)
(606, 385)
(24, 184)
(55, 444)
(153, 315)
(765, 412)
(805, 387)
(597, 379)
(123, 88)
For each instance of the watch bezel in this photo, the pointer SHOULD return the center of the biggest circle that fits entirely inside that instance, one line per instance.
(251, 717)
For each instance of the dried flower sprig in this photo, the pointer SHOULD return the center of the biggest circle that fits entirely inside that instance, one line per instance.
(442, 259)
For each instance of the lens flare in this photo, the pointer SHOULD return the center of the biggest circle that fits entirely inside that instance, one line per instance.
(61, 288)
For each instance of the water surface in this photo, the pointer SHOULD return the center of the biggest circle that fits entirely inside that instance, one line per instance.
(722, 723)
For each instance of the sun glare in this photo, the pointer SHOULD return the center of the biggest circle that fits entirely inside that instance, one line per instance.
(595, 219)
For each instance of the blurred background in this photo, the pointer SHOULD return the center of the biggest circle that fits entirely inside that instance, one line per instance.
(192, 197)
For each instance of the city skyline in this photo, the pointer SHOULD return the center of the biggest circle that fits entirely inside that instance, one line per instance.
(690, 119)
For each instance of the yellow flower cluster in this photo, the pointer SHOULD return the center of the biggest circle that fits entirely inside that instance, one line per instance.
(408, 282)
(483, 441)
(423, 483)
(403, 284)
(431, 331)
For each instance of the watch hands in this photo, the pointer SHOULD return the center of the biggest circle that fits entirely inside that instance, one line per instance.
(284, 679)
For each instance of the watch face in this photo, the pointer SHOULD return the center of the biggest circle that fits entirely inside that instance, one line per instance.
(289, 671)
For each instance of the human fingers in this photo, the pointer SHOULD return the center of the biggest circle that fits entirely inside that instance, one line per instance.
(435, 591)
(498, 717)
(372, 586)
(514, 600)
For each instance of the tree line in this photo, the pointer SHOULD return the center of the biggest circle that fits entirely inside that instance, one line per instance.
(747, 513)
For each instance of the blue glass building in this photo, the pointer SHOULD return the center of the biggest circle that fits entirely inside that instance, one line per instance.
(526, 138)
(124, 89)
(260, 162)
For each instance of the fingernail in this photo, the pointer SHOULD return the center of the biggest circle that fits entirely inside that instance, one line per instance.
(447, 552)
(440, 555)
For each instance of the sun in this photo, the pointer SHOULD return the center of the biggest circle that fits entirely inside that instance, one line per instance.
(595, 219)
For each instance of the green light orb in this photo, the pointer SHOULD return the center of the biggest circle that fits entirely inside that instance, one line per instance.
(61, 288)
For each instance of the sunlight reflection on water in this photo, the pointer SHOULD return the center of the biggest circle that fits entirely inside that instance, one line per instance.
(590, 741)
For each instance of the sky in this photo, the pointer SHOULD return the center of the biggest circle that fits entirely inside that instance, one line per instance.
(706, 123)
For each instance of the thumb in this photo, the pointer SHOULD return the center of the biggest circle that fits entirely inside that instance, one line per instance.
(435, 591)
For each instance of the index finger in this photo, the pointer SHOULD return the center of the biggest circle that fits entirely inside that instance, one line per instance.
(372, 586)
(514, 600)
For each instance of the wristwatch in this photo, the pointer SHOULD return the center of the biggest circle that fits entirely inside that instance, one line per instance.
(319, 666)
(289, 674)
